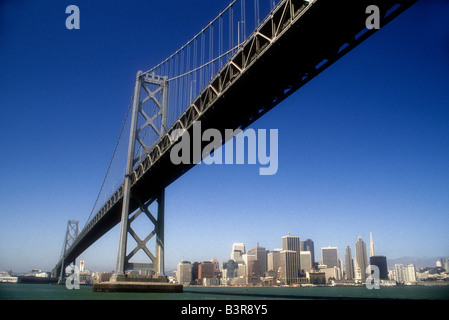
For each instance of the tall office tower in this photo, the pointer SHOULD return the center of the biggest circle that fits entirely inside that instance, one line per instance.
(238, 250)
(254, 269)
(381, 263)
(261, 256)
(205, 271)
(443, 263)
(399, 273)
(231, 269)
(216, 264)
(184, 272)
(292, 243)
(340, 268)
(410, 273)
(289, 266)
(371, 245)
(305, 261)
(195, 267)
(309, 246)
(248, 259)
(238, 247)
(274, 260)
(241, 270)
(349, 264)
(329, 256)
(361, 261)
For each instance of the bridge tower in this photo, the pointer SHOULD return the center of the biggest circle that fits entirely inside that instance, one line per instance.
(71, 234)
(149, 117)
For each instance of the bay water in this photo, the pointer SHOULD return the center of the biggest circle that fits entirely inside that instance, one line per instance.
(19, 291)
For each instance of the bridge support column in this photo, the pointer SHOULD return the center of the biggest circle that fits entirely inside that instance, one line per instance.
(160, 234)
(154, 96)
(157, 261)
(71, 234)
(120, 267)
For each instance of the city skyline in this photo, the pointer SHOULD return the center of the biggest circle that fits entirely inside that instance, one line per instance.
(245, 249)
(281, 266)
(364, 147)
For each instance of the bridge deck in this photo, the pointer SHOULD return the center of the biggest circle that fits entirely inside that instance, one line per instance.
(296, 42)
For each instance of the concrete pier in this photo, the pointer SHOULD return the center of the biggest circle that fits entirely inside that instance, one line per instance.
(122, 283)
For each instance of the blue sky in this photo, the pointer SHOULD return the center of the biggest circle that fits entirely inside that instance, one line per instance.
(363, 148)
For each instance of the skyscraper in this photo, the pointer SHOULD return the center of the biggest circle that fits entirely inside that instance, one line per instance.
(231, 268)
(205, 271)
(361, 261)
(238, 249)
(381, 263)
(371, 245)
(289, 267)
(349, 264)
(184, 272)
(329, 256)
(308, 246)
(292, 243)
(261, 256)
(274, 260)
(306, 261)
(195, 267)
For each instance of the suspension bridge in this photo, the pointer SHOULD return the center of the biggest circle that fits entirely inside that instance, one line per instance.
(247, 60)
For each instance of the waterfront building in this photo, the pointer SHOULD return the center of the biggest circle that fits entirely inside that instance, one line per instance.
(254, 272)
(253, 267)
(443, 263)
(231, 268)
(399, 273)
(349, 264)
(331, 273)
(5, 277)
(361, 261)
(381, 263)
(289, 267)
(205, 271)
(316, 277)
(392, 274)
(247, 258)
(241, 270)
(238, 250)
(195, 267)
(329, 256)
(308, 246)
(184, 273)
(403, 274)
(261, 257)
(372, 253)
(292, 243)
(410, 273)
(305, 261)
(340, 269)
(274, 261)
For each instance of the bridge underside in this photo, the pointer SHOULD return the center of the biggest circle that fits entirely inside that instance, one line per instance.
(293, 45)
